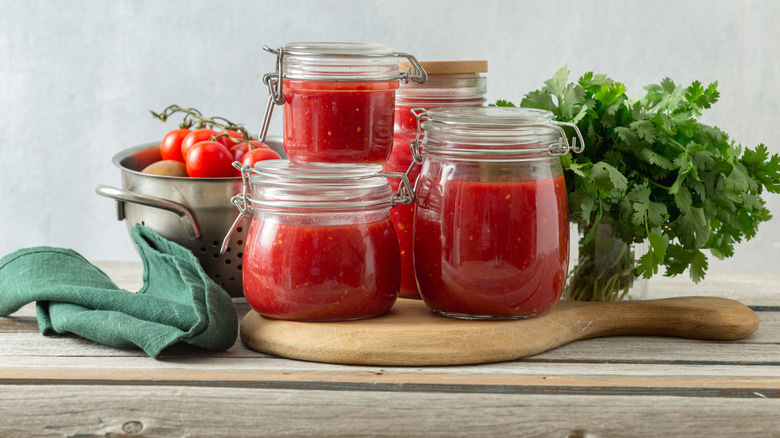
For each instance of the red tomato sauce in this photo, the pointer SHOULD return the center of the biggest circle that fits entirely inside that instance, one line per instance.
(320, 273)
(338, 121)
(499, 249)
(403, 215)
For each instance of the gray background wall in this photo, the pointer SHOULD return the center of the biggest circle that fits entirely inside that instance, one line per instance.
(77, 78)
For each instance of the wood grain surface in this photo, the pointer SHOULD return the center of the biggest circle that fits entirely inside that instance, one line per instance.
(410, 335)
(615, 386)
(449, 67)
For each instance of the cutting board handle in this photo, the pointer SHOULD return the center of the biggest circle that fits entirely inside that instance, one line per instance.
(711, 318)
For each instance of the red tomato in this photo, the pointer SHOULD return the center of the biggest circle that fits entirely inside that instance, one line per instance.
(193, 137)
(228, 142)
(259, 154)
(209, 159)
(257, 144)
(170, 148)
(241, 148)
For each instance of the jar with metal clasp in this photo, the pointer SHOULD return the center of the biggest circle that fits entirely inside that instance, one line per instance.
(338, 100)
(449, 84)
(491, 231)
(320, 244)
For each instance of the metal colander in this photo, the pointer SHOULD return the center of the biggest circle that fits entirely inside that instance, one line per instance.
(196, 213)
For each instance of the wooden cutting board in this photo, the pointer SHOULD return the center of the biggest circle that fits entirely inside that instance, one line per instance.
(410, 335)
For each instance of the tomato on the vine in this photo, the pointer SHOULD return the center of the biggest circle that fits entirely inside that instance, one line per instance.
(209, 159)
(257, 144)
(193, 137)
(239, 150)
(242, 148)
(227, 141)
(170, 147)
(259, 154)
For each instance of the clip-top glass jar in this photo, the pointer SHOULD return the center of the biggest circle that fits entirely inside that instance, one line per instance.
(449, 84)
(338, 100)
(320, 246)
(491, 232)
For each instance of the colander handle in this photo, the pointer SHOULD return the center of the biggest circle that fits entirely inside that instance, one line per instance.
(122, 196)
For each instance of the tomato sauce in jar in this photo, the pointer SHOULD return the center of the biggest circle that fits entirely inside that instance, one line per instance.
(492, 248)
(491, 232)
(449, 84)
(318, 272)
(338, 121)
(338, 100)
(320, 246)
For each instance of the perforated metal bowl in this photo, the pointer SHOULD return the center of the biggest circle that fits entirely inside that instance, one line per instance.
(193, 212)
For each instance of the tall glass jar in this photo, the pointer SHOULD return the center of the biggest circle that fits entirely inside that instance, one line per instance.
(320, 245)
(449, 84)
(491, 232)
(338, 100)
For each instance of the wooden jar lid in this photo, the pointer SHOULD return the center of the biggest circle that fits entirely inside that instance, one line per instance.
(449, 67)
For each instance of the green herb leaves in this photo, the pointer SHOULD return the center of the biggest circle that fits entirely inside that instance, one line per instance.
(654, 173)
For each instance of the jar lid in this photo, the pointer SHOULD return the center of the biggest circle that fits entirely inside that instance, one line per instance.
(450, 83)
(501, 133)
(449, 67)
(281, 183)
(491, 116)
(337, 49)
(324, 61)
(337, 61)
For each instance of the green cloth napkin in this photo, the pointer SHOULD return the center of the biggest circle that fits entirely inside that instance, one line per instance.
(178, 301)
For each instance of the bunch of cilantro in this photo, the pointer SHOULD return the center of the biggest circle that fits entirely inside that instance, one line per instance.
(651, 172)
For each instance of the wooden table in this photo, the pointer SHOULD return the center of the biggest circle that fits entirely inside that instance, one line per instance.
(620, 386)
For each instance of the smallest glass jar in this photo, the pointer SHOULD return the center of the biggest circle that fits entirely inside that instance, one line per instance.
(320, 245)
(338, 100)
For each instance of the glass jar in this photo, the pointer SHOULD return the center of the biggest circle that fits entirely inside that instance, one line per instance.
(449, 84)
(320, 246)
(491, 231)
(338, 100)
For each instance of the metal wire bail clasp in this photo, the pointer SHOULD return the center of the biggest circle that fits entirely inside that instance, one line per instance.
(405, 193)
(416, 72)
(563, 146)
(275, 84)
(421, 115)
(240, 202)
(274, 80)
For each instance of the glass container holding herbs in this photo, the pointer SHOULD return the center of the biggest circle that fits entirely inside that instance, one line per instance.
(491, 231)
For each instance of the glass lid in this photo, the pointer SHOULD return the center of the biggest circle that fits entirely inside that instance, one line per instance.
(496, 116)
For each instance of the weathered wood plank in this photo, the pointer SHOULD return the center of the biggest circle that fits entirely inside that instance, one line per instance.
(52, 410)
(749, 287)
(19, 324)
(663, 350)
(222, 366)
(613, 349)
(394, 381)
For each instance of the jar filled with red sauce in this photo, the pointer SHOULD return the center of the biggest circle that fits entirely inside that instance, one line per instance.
(491, 232)
(449, 84)
(320, 245)
(338, 100)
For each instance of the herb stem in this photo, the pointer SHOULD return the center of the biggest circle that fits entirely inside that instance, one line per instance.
(660, 186)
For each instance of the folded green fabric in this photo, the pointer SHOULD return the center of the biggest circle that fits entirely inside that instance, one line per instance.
(178, 301)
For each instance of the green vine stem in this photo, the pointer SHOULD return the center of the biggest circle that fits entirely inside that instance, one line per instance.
(194, 118)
